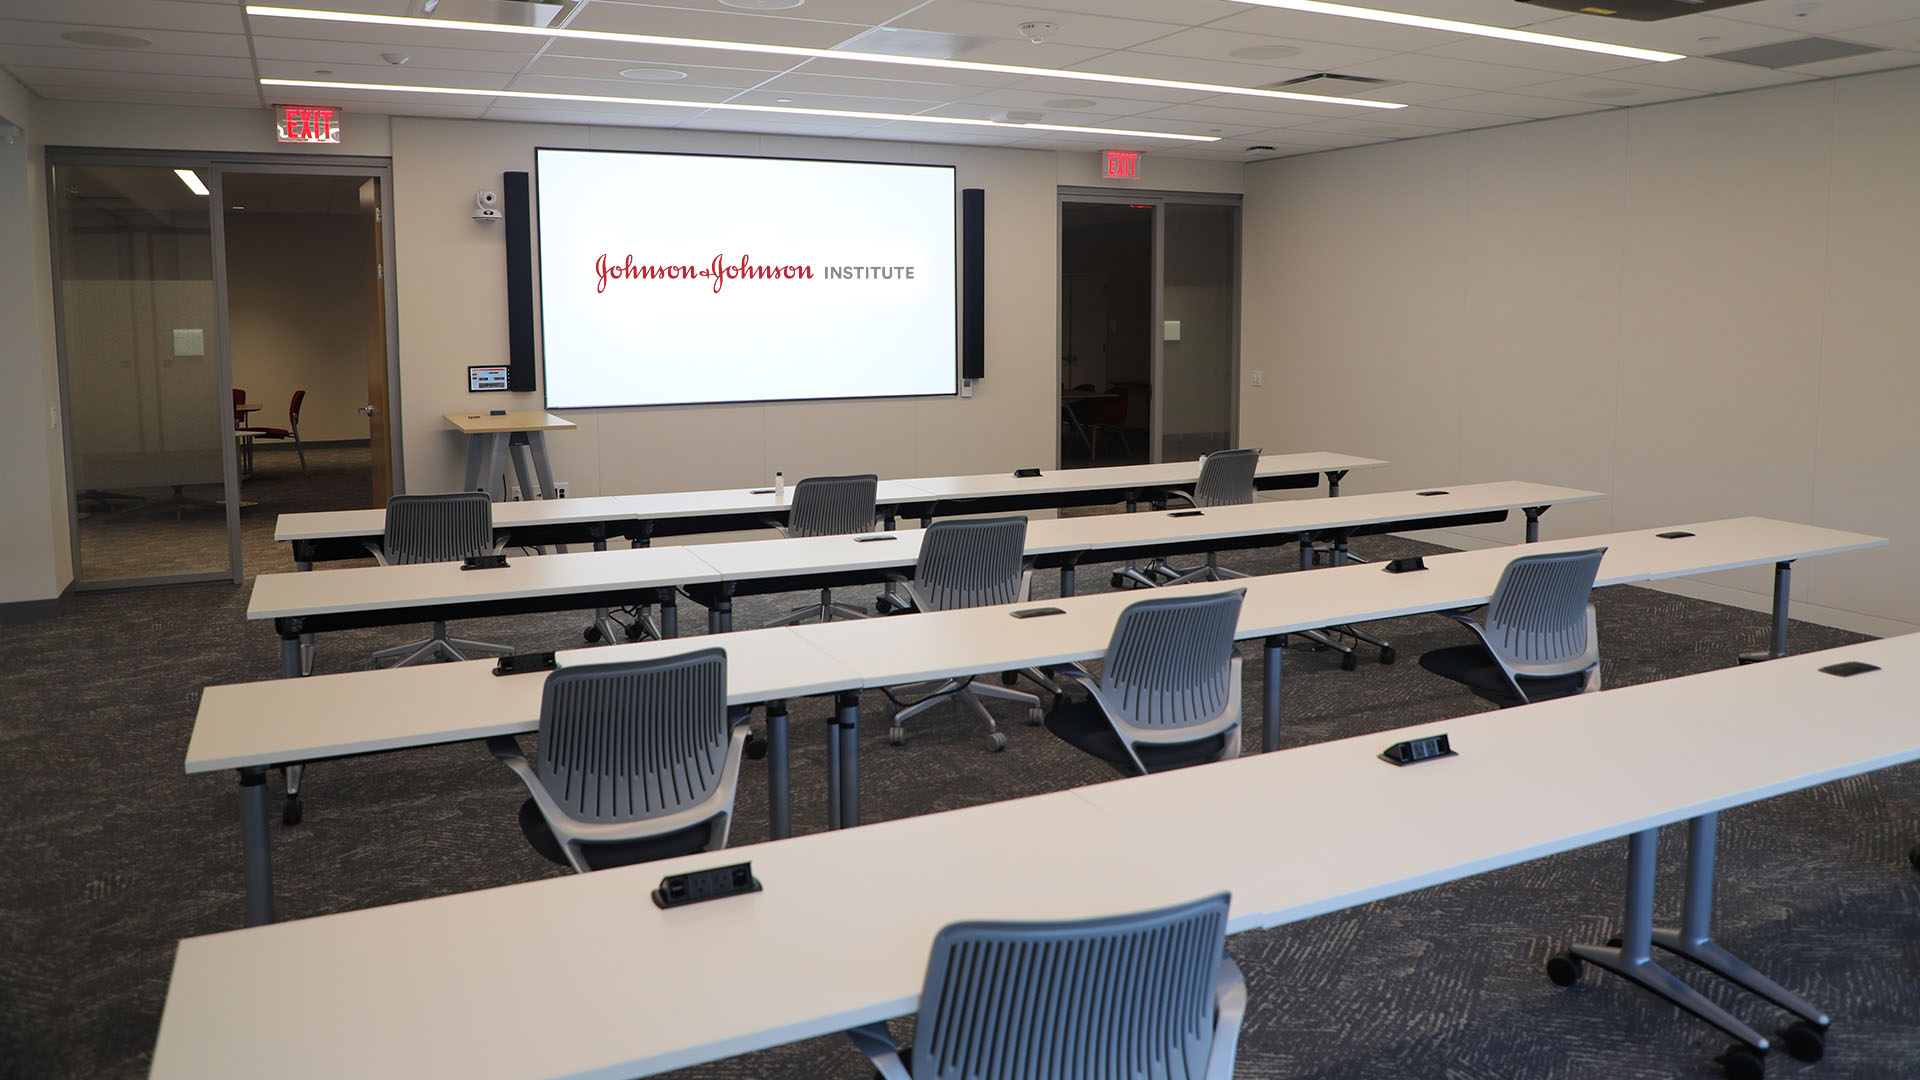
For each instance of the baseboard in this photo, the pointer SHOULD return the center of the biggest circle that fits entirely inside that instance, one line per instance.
(271, 445)
(1840, 619)
(29, 610)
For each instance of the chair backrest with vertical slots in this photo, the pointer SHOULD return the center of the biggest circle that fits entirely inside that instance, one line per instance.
(437, 528)
(1537, 617)
(630, 741)
(1226, 477)
(1168, 663)
(1116, 998)
(970, 563)
(832, 505)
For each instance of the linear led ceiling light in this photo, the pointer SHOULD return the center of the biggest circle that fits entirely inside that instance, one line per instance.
(192, 180)
(608, 99)
(797, 51)
(1348, 11)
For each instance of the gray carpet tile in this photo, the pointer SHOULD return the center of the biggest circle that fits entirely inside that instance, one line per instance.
(112, 854)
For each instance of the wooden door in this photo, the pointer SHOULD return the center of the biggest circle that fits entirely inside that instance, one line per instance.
(379, 420)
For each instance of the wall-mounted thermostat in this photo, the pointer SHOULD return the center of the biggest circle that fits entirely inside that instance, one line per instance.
(486, 378)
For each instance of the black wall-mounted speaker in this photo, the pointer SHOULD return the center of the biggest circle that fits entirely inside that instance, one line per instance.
(519, 215)
(973, 283)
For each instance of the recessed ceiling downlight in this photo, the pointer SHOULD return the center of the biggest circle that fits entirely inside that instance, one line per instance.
(763, 5)
(105, 39)
(646, 74)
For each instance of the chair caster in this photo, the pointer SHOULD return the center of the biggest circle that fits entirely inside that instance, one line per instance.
(1036, 716)
(1742, 1062)
(1565, 969)
(996, 742)
(290, 812)
(633, 631)
(897, 735)
(1007, 678)
(1349, 661)
(1387, 655)
(591, 634)
(756, 748)
(1805, 1040)
(1120, 581)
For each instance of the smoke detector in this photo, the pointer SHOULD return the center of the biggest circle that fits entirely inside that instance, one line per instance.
(1038, 32)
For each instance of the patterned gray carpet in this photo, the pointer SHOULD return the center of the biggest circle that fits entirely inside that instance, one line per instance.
(112, 854)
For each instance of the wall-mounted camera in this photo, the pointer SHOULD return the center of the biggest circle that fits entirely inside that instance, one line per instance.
(486, 206)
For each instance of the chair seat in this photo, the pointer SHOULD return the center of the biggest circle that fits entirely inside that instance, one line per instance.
(1473, 666)
(268, 432)
(613, 853)
(1082, 724)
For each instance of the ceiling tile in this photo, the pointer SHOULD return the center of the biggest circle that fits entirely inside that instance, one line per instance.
(1538, 57)
(40, 56)
(608, 71)
(1855, 65)
(1607, 91)
(1356, 33)
(139, 14)
(997, 21)
(1184, 13)
(149, 97)
(1823, 18)
(1218, 45)
(19, 32)
(1896, 35)
(1706, 76)
(1681, 35)
(710, 25)
(1441, 71)
(1524, 106)
(897, 90)
(317, 53)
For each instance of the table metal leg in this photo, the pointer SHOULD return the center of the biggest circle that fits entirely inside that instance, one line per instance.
(542, 467)
(848, 724)
(1533, 521)
(779, 773)
(1274, 646)
(669, 613)
(1066, 580)
(1334, 476)
(1694, 939)
(1632, 959)
(256, 856)
(1306, 551)
(720, 612)
(833, 773)
(1782, 597)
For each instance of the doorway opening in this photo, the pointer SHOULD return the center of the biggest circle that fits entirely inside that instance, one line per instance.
(1149, 326)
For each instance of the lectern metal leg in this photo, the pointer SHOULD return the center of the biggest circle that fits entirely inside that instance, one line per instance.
(1632, 959)
(1694, 939)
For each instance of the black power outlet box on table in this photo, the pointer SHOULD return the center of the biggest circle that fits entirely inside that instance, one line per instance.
(678, 890)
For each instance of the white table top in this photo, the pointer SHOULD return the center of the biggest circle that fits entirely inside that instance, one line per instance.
(1128, 476)
(415, 982)
(368, 711)
(514, 420)
(378, 588)
(331, 524)
(679, 504)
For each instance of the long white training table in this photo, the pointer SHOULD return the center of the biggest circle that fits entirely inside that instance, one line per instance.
(341, 534)
(305, 604)
(251, 727)
(413, 983)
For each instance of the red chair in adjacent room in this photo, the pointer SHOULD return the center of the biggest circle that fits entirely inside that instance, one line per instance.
(292, 432)
(1109, 415)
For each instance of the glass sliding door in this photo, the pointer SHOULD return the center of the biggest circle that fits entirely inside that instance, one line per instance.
(1199, 329)
(150, 423)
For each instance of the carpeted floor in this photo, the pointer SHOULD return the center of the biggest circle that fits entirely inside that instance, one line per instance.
(112, 854)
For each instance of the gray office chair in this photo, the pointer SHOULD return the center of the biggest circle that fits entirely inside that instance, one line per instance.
(437, 528)
(1168, 695)
(1537, 637)
(963, 564)
(829, 506)
(1152, 994)
(1226, 479)
(638, 761)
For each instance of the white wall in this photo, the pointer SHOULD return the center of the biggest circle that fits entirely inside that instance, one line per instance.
(1705, 308)
(36, 561)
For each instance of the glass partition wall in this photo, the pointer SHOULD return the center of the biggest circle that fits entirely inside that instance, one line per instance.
(150, 423)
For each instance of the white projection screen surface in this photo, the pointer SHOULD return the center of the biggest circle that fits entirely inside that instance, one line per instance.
(672, 279)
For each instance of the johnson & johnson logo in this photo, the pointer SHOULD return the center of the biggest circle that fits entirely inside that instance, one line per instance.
(720, 271)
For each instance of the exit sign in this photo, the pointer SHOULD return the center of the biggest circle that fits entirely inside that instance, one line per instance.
(307, 123)
(1120, 164)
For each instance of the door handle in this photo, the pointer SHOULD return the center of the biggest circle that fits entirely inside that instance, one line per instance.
(365, 410)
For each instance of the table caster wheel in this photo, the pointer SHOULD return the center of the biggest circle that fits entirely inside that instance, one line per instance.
(1387, 655)
(1349, 661)
(290, 813)
(756, 748)
(1743, 1062)
(591, 634)
(1035, 716)
(1565, 969)
(897, 735)
(997, 742)
(1805, 1040)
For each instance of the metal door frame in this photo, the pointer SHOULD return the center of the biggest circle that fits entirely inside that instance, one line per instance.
(1156, 373)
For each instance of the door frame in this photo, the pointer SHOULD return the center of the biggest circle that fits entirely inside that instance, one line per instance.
(382, 170)
(1156, 360)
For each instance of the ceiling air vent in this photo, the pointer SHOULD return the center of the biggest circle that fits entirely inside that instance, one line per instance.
(1806, 50)
(1637, 10)
(1332, 85)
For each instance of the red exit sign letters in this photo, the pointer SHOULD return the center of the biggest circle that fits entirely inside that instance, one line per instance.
(1120, 164)
(307, 123)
